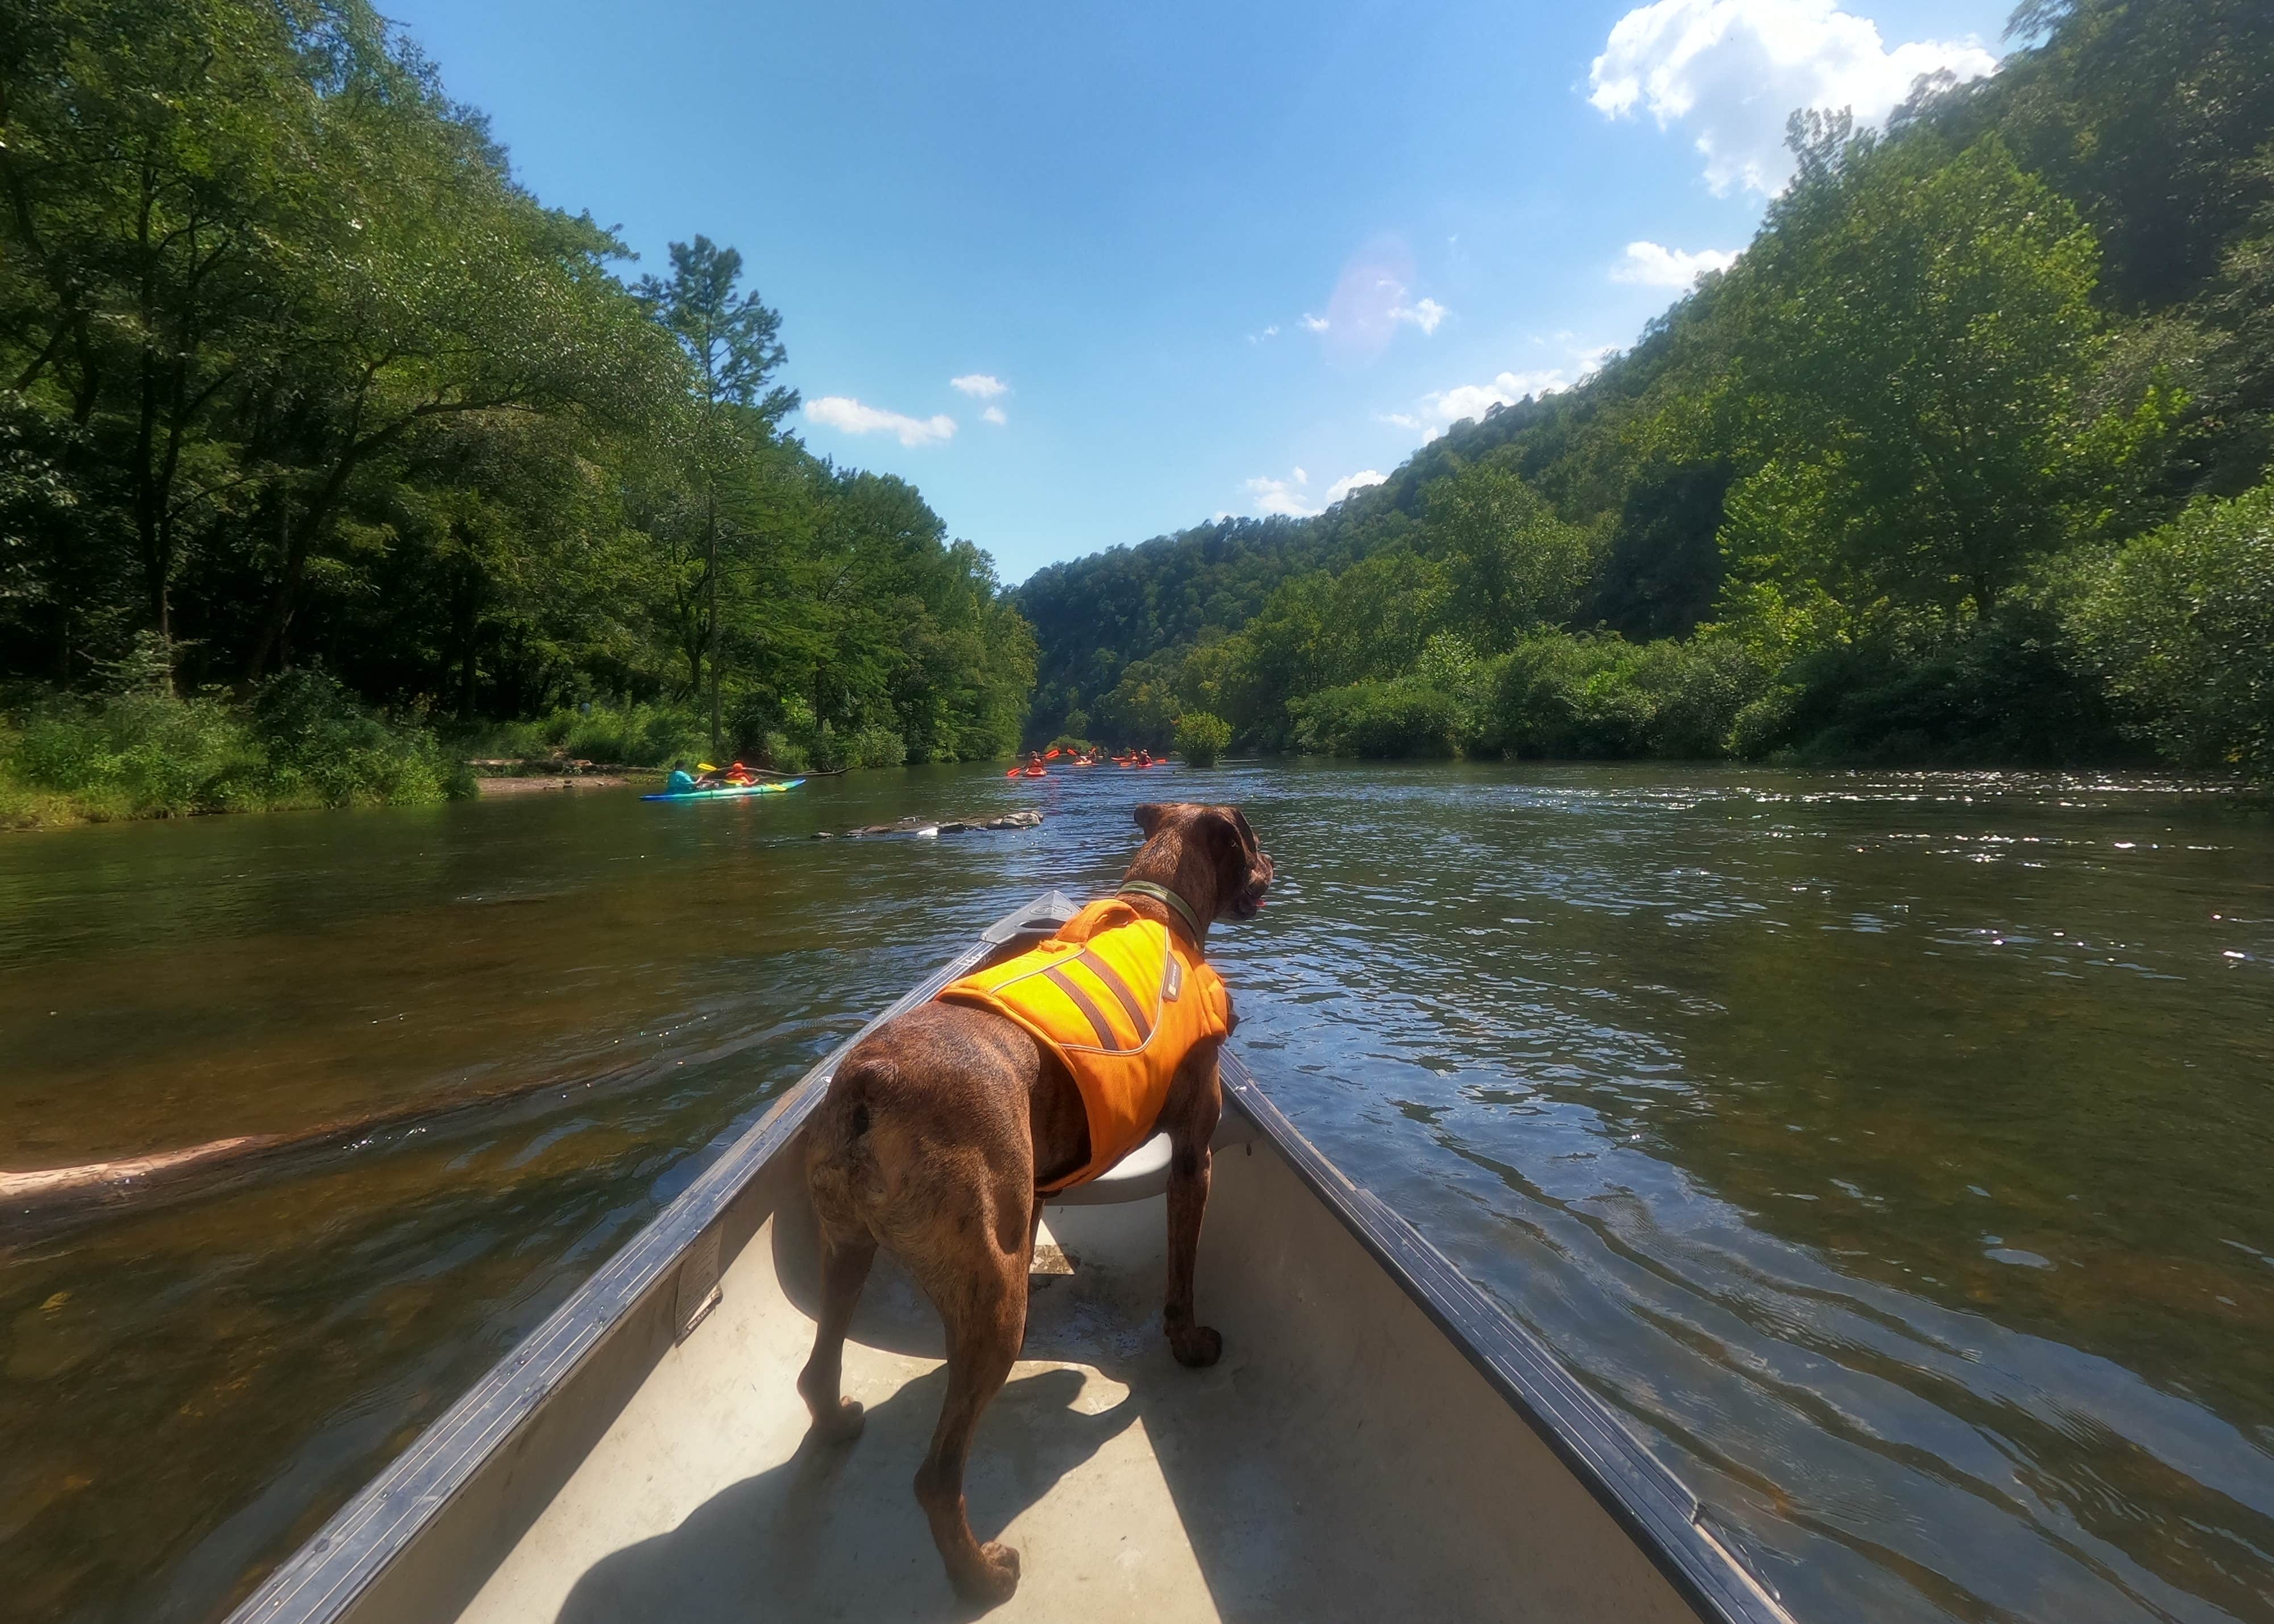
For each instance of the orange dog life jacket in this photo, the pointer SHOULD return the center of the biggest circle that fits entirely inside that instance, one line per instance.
(1123, 1000)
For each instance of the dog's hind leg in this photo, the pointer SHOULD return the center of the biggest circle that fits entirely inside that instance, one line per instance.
(981, 1292)
(846, 1254)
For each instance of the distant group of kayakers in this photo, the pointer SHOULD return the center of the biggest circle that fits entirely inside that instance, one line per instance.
(1036, 764)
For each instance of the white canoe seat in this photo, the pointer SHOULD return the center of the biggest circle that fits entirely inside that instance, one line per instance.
(1144, 1172)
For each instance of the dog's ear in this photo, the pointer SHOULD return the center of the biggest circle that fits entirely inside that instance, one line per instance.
(1151, 815)
(1228, 834)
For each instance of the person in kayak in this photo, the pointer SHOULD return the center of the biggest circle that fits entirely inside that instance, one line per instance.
(682, 782)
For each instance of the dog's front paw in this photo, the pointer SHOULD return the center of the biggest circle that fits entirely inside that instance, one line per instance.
(1195, 1346)
(991, 1582)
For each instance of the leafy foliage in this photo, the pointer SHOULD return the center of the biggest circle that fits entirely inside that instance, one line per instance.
(1201, 738)
(2183, 625)
(1842, 500)
(293, 373)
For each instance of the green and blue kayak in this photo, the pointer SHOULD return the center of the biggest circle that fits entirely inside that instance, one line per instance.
(734, 792)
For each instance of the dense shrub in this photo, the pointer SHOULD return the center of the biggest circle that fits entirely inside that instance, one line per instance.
(1604, 697)
(877, 747)
(302, 742)
(2182, 629)
(1201, 738)
(322, 746)
(1404, 717)
(785, 754)
(632, 736)
(142, 754)
(2005, 688)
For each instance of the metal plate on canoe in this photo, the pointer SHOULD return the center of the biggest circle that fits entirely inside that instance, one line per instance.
(699, 1290)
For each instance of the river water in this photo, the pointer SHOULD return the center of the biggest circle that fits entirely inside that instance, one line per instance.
(1892, 1151)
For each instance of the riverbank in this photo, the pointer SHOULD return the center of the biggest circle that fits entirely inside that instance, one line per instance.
(299, 742)
(303, 743)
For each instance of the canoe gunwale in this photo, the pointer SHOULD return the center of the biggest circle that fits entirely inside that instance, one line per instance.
(1656, 1509)
(326, 1577)
(322, 1579)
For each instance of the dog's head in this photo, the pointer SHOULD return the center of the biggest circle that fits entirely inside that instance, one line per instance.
(1207, 855)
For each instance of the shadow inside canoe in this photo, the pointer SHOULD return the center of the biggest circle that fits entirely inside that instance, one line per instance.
(835, 1531)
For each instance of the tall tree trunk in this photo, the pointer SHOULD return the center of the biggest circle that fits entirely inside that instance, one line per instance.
(469, 625)
(711, 608)
(279, 613)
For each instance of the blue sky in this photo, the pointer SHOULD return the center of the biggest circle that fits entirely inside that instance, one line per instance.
(1087, 273)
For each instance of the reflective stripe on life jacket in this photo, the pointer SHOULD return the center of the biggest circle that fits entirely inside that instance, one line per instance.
(1123, 1000)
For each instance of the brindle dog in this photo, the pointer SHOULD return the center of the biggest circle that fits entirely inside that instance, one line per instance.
(935, 1136)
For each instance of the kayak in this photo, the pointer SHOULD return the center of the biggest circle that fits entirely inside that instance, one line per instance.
(1027, 773)
(1379, 1441)
(729, 791)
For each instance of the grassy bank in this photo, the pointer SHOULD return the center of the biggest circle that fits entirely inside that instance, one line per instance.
(299, 742)
(303, 741)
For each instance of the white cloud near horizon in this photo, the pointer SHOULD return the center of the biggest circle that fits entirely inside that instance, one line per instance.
(994, 415)
(1733, 71)
(1315, 324)
(843, 412)
(1284, 498)
(1651, 265)
(980, 385)
(1348, 483)
(1448, 407)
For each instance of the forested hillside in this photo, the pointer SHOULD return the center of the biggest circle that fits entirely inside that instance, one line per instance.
(1963, 459)
(295, 377)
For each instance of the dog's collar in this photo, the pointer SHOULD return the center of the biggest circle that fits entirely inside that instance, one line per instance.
(1175, 903)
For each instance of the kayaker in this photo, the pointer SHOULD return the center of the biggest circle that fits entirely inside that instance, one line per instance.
(681, 782)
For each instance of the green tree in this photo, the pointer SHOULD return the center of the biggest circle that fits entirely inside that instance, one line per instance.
(1510, 564)
(732, 342)
(1918, 332)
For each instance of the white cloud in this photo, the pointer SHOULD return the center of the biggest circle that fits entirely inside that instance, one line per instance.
(994, 415)
(1268, 333)
(980, 385)
(1348, 482)
(1404, 420)
(1651, 265)
(1424, 314)
(841, 412)
(1315, 324)
(1473, 399)
(1590, 361)
(1733, 70)
(1285, 497)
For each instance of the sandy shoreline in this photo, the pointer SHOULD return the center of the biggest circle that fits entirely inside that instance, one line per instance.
(534, 784)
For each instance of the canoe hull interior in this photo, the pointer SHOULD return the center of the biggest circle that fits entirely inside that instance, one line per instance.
(1343, 1460)
(1347, 1459)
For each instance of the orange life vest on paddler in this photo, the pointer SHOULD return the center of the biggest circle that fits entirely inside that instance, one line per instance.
(1123, 1000)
